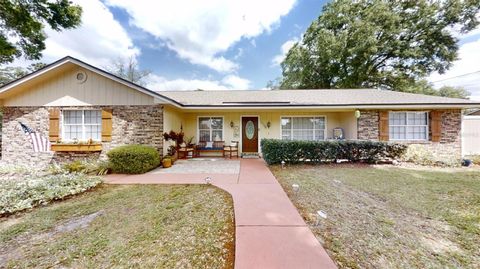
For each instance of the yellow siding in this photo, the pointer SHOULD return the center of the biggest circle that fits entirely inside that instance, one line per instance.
(345, 120)
(62, 89)
(172, 120)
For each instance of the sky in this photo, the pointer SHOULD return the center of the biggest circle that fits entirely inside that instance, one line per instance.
(211, 45)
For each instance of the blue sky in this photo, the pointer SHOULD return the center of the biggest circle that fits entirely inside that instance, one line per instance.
(253, 55)
(212, 45)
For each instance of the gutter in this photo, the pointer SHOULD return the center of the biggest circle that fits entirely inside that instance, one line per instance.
(338, 106)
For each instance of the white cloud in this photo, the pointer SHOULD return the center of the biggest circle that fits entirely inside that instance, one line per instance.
(236, 82)
(469, 59)
(278, 59)
(200, 31)
(99, 40)
(159, 83)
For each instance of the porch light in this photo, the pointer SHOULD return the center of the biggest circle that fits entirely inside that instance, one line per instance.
(295, 188)
(357, 113)
(208, 180)
(232, 124)
(283, 164)
(320, 215)
(268, 125)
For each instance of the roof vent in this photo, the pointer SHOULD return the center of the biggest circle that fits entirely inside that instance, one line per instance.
(81, 77)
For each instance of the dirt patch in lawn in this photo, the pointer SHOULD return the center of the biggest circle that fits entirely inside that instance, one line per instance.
(388, 217)
(125, 226)
(12, 250)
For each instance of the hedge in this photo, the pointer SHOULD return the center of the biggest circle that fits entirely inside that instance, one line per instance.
(133, 159)
(275, 151)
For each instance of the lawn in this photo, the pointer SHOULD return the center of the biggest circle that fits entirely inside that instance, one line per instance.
(124, 226)
(389, 217)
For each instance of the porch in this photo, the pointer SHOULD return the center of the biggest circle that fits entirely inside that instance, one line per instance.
(248, 127)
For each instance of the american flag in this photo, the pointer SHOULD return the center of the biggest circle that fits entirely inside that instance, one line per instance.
(39, 143)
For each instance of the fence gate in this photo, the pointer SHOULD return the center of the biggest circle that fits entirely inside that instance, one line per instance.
(471, 135)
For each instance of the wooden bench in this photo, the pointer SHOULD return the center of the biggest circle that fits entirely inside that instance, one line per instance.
(217, 146)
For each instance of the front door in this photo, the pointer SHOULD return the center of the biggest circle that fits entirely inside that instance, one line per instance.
(250, 134)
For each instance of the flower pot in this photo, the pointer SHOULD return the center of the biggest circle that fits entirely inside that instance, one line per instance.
(166, 163)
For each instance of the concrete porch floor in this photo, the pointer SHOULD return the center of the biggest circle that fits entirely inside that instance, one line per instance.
(269, 233)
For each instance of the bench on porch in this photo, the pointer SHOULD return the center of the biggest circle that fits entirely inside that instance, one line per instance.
(213, 146)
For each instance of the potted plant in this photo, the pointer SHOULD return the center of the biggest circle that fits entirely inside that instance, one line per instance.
(189, 142)
(167, 161)
(178, 138)
(172, 151)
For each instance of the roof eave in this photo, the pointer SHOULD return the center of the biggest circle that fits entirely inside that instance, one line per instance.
(339, 106)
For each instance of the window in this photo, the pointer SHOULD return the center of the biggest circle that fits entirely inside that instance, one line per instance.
(210, 128)
(303, 128)
(408, 125)
(82, 125)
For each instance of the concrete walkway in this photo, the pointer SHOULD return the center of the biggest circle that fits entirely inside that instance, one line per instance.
(270, 233)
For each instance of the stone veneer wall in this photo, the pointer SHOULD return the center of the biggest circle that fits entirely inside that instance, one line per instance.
(368, 125)
(130, 125)
(449, 147)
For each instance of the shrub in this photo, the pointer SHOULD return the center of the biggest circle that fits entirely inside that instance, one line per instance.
(89, 167)
(418, 154)
(275, 151)
(133, 159)
(475, 159)
(74, 167)
(33, 190)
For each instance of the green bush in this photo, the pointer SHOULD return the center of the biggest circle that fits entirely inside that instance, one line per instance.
(133, 159)
(275, 151)
(89, 167)
(74, 167)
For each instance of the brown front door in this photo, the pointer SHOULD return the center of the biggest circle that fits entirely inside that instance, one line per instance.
(250, 134)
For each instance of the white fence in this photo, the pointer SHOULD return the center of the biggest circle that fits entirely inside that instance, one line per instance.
(471, 135)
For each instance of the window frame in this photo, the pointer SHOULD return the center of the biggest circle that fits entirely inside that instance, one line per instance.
(62, 125)
(210, 129)
(304, 116)
(427, 126)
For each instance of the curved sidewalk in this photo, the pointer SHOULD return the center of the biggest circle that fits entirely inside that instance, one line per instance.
(270, 233)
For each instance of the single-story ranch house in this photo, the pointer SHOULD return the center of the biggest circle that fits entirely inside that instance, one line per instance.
(72, 101)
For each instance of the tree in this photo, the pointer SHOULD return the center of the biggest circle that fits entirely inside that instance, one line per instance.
(424, 87)
(128, 69)
(22, 23)
(378, 44)
(454, 92)
(8, 74)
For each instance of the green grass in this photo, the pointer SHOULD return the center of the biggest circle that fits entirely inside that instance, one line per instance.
(131, 226)
(387, 217)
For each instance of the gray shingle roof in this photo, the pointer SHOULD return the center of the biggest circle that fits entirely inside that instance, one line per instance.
(340, 97)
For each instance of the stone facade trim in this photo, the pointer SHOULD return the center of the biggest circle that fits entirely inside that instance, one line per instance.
(130, 125)
(450, 141)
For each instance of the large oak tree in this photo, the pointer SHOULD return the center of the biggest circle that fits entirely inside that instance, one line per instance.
(22, 23)
(378, 44)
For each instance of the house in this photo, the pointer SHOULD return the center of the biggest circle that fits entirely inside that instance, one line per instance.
(70, 101)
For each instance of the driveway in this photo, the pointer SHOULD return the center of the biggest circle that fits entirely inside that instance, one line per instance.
(270, 233)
